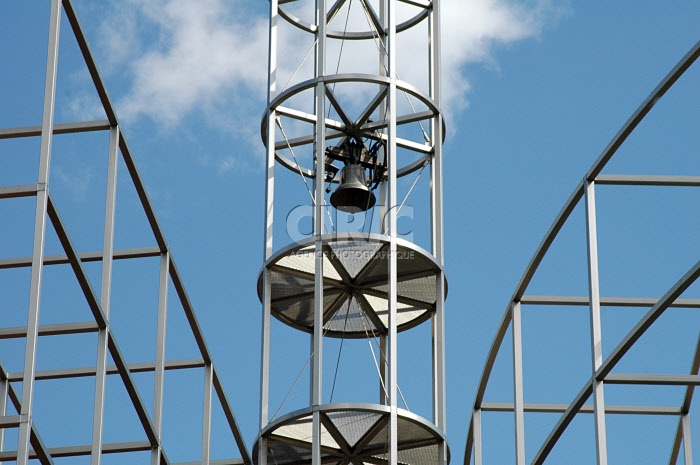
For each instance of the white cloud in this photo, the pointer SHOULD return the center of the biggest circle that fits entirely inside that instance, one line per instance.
(202, 50)
(182, 57)
(471, 30)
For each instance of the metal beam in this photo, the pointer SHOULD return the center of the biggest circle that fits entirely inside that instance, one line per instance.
(519, 412)
(583, 301)
(653, 379)
(105, 295)
(59, 128)
(647, 180)
(189, 311)
(62, 259)
(585, 408)
(159, 365)
(595, 324)
(78, 451)
(42, 202)
(207, 413)
(50, 330)
(111, 370)
(27, 190)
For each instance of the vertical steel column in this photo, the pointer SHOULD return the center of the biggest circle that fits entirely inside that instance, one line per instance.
(596, 331)
(518, 403)
(206, 420)
(687, 442)
(4, 388)
(391, 206)
(269, 229)
(436, 223)
(42, 198)
(478, 452)
(383, 202)
(105, 296)
(319, 221)
(436, 228)
(159, 381)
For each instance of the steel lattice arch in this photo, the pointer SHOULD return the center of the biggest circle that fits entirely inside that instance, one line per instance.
(590, 399)
(57, 258)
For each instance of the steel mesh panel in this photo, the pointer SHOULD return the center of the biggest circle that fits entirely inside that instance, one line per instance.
(353, 425)
(301, 311)
(302, 430)
(285, 285)
(427, 455)
(282, 453)
(350, 318)
(407, 261)
(422, 289)
(409, 431)
(301, 260)
(380, 439)
(404, 312)
(354, 255)
(304, 260)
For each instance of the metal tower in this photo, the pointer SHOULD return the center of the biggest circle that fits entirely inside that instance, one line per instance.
(342, 283)
(72, 316)
(604, 395)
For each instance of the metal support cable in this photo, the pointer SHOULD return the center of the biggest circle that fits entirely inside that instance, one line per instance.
(293, 385)
(303, 178)
(374, 356)
(300, 65)
(381, 48)
(383, 356)
(411, 189)
(340, 53)
(340, 350)
(415, 181)
(325, 330)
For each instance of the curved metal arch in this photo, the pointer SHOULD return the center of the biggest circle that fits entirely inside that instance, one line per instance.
(361, 35)
(630, 125)
(340, 129)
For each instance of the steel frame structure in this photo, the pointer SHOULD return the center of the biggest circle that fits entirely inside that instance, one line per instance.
(382, 28)
(30, 444)
(602, 369)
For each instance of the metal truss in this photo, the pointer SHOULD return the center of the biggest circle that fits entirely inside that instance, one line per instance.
(17, 399)
(311, 288)
(591, 399)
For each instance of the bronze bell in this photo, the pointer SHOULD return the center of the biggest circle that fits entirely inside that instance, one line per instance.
(352, 194)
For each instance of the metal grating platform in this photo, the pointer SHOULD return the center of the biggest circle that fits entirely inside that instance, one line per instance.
(355, 285)
(351, 433)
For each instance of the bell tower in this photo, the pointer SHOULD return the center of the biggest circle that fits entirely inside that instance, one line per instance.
(359, 138)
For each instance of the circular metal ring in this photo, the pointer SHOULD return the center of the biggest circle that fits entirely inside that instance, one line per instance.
(355, 35)
(339, 130)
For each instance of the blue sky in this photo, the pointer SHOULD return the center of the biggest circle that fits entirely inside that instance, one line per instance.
(534, 92)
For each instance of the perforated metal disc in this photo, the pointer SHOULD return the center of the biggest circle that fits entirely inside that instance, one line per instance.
(355, 285)
(351, 433)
